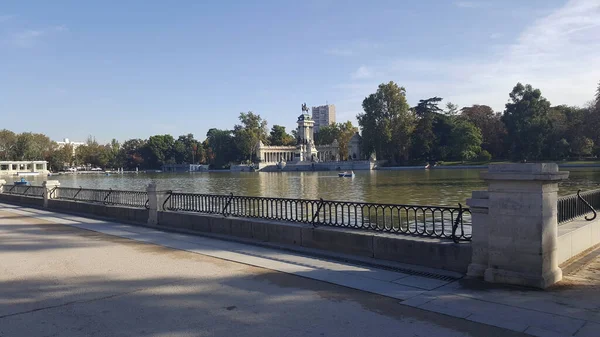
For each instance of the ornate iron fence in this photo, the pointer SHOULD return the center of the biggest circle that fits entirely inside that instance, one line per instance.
(431, 221)
(27, 190)
(577, 205)
(107, 197)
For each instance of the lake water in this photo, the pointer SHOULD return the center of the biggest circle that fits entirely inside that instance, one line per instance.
(423, 187)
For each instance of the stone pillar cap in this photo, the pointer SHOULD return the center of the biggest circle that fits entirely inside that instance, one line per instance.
(529, 171)
(51, 182)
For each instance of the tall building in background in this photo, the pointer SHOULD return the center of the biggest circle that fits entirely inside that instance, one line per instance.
(323, 115)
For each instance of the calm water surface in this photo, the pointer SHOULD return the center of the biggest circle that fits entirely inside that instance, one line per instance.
(432, 187)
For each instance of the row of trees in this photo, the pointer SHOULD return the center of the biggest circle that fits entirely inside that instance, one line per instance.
(219, 149)
(528, 129)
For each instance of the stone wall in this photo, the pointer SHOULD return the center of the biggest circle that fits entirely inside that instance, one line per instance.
(435, 253)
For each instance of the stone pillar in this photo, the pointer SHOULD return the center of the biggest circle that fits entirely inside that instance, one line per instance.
(479, 204)
(522, 219)
(156, 199)
(49, 186)
(2, 183)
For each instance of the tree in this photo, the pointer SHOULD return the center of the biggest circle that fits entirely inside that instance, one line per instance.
(597, 100)
(132, 153)
(60, 157)
(527, 123)
(247, 134)
(327, 134)
(465, 140)
(582, 146)
(279, 137)
(492, 128)
(92, 154)
(115, 158)
(158, 151)
(31, 146)
(451, 109)
(220, 147)
(186, 150)
(8, 140)
(424, 139)
(387, 123)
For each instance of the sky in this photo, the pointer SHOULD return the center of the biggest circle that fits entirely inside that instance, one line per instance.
(132, 69)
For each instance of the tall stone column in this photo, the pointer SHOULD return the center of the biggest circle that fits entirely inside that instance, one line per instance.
(2, 183)
(522, 220)
(49, 186)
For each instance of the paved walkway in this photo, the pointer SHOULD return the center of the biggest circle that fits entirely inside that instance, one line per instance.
(116, 279)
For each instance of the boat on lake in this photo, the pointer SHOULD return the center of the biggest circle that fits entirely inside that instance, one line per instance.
(22, 182)
(346, 174)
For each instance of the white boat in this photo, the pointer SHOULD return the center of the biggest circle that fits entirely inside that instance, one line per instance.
(27, 174)
(346, 174)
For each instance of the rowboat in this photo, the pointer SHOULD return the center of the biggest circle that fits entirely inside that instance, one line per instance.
(346, 174)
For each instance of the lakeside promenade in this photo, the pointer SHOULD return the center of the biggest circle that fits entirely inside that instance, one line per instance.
(74, 276)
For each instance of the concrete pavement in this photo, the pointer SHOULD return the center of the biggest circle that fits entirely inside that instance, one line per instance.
(59, 279)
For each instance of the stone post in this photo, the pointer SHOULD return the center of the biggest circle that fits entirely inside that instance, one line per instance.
(522, 224)
(2, 183)
(479, 204)
(49, 186)
(156, 199)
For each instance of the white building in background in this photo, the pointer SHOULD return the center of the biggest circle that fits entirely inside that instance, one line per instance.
(66, 141)
(323, 115)
(24, 168)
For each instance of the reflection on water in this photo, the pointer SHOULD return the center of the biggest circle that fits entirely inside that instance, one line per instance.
(424, 187)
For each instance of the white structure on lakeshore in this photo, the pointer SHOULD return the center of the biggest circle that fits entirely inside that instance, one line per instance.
(16, 168)
(66, 141)
(323, 115)
(305, 150)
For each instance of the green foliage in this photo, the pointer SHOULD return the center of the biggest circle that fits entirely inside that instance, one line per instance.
(8, 140)
(527, 122)
(342, 132)
(431, 130)
(387, 123)
(187, 150)
(220, 147)
(451, 109)
(484, 156)
(60, 157)
(247, 134)
(158, 151)
(492, 128)
(131, 153)
(278, 137)
(465, 140)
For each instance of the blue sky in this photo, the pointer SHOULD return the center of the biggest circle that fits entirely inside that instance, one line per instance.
(129, 69)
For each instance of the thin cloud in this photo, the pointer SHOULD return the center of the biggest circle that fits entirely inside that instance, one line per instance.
(558, 53)
(29, 38)
(362, 72)
(471, 4)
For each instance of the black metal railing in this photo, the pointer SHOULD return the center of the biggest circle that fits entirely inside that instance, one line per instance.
(26, 190)
(107, 197)
(577, 205)
(431, 221)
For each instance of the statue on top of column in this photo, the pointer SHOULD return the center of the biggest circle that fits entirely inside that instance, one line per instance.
(304, 108)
